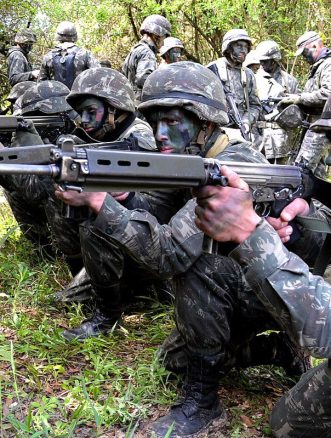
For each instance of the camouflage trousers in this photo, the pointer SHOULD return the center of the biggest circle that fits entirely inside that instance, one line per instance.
(311, 151)
(305, 410)
(115, 277)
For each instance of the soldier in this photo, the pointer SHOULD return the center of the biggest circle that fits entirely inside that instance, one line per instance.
(172, 50)
(27, 197)
(66, 60)
(274, 82)
(141, 61)
(19, 67)
(189, 120)
(17, 92)
(105, 100)
(236, 79)
(252, 61)
(314, 95)
(297, 299)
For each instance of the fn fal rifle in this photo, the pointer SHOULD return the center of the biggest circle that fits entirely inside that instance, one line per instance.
(85, 167)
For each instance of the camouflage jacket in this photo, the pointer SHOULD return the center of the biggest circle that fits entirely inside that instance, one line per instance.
(169, 249)
(276, 142)
(83, 60)
(298, 300)
(318, 85)
(233, 80)
(19, 67)
(139, 64)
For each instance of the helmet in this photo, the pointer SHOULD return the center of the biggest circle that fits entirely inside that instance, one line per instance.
(170, 43)
(324, 123)
(47, 97)
(268, 49)
(188, 85)
(66, 31)
(235, 35)
(105, 83)
(18, 90)
(157, 25)
(306, 38)
(251, 58)
(25, 36)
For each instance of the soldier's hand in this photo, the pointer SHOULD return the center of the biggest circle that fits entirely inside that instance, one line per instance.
(226, 213)
(119, 196)
(298, 207)
(35, 74)
(290, 99)
(93, 200)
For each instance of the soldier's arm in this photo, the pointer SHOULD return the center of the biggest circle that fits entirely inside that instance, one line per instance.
(254, 101)
(146, 66)
(91, 62)
(318, 97)
(298, 300)
(44, 72)
(17, 69)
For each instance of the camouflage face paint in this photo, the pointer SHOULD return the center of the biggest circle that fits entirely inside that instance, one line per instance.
(269, 65)
(309, 54)
(238, 51)
(93, 113)
(174, 129)
(175, 54)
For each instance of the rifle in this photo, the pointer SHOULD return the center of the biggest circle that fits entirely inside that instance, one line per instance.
(112, 167)
(268, 105)
(234, 114)
(47, 126)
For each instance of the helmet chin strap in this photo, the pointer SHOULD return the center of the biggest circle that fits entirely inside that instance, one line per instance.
(198, 144)
(110, 123)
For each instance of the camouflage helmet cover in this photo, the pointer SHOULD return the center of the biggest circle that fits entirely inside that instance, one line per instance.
(268, 49)
(25, 36)
(170, 43)
(18, 90)
(66, 31)
(234, 35)
(188, 85)
(157, 25)
(305, 39)
(105, 83)
(47, 97)
(251, 58)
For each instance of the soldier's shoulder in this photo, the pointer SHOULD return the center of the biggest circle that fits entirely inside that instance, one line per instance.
(241, 151)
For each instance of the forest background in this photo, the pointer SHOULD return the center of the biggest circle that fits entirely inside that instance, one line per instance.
(113, 386)
(110, 27)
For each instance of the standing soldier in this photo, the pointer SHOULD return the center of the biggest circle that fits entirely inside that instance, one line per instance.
(314, 95)
(274, 82)
(66, 60)
(237, 80)
(172, 50)
(19, 67)
(141, 61)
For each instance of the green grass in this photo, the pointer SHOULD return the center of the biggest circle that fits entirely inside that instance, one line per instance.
(108, 385)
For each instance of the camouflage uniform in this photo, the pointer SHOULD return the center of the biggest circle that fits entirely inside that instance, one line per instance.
(276, 142)
(66, 52)
(19, 67)
(29, 195)
(301, 304)
(141, 61)
(314, 95)
(174, 251)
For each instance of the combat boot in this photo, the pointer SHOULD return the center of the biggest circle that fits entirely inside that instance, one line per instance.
(199, 408)
(105, 317)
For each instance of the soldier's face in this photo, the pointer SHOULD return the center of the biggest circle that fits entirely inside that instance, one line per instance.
(174, 55)
(93, 114)
(174, 129)
(238, 51)
(310, 53)
(26, 47)
(269, 65)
